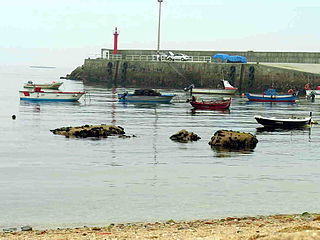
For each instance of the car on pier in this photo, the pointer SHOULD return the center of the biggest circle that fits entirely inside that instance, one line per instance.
(178, 57)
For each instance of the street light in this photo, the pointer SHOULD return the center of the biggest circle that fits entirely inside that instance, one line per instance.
(158, 49)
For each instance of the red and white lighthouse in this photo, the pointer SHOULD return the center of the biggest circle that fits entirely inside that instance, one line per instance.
(115, 41)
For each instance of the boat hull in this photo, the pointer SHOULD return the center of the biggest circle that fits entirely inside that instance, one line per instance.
(283, 123)
(54, 86)
(211, 105)
(145, 99)
(270, 98)
(51, 96)
(316, 93)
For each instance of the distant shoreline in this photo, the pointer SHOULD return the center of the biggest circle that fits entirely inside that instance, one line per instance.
(275, 227)
(41, 67)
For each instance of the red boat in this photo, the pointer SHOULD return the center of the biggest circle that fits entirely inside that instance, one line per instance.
(211, 105)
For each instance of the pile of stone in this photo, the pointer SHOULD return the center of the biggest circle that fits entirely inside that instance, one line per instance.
(184, 136)
(85, 131)
(233, 140)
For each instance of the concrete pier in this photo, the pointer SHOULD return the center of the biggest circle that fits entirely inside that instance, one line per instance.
(251, 77)
(254, 76)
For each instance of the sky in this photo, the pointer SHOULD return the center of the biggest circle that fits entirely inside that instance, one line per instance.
(65, 32)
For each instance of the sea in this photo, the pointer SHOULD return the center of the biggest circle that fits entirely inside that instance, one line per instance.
(50, 181)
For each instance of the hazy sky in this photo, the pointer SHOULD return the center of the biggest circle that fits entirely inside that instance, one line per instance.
(64, 32)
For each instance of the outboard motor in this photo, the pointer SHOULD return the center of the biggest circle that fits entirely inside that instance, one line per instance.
(189, 88)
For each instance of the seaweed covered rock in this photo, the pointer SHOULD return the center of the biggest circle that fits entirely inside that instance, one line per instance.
(89, 131)
(233, 140)
(184, 136)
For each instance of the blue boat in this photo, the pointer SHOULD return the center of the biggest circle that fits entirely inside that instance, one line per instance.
(271, 95)
(145, 96)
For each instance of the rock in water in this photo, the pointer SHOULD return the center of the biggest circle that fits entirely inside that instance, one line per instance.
(89, 131)
(233, 140)
(184, 136)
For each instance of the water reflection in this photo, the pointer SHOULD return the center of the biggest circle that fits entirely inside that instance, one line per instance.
(227, 152)
(144, 104)
(291, 131)
(155, 136)
(270, 104)
(48, 103)
(278, 129)
(198, 111)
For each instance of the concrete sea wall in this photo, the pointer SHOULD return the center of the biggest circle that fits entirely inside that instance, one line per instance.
(252, 56)
(253, 77)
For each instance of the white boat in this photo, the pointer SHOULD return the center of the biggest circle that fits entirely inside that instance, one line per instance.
(38, 95)
(227, 89)
(52, 85)
(312, 93)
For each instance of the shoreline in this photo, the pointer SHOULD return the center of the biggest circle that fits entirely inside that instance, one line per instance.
(274, 227)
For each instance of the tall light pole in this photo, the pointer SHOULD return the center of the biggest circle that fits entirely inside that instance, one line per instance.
(158, 48)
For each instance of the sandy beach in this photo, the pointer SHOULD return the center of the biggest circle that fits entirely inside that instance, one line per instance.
(304, 226)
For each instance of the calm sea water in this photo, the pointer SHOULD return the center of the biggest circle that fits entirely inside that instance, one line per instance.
(48, 180)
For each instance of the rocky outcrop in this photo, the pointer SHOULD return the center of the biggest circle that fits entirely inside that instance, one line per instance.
(89, 131)
(233, 140)
(184, 136)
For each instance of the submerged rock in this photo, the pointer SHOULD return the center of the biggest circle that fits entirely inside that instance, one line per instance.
(233, 140)
(89, 131)
(184, 136)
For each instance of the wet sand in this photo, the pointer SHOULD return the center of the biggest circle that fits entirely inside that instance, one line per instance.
(285, 227)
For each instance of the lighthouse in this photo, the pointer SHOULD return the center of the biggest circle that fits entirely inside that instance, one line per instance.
(115, 41)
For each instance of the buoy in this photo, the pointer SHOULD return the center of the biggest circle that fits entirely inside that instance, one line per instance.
(242, 95)
(307, 86)
(13, 117)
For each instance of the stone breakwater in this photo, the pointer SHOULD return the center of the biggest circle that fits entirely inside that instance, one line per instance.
(278, 227)
(250, 77)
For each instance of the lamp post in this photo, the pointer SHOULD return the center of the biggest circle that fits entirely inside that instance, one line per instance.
(158, 48)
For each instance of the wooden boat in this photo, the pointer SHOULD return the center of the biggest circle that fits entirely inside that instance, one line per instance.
(271, 95)
(211, 105)
(145, 96)
(273, 122)
(52, 85)
(227, 89)
(38, 95)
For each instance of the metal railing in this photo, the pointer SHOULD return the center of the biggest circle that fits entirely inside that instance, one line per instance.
(155, 58)
(115, 56)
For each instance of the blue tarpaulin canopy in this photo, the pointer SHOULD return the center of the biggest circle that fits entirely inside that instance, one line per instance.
(231, 59)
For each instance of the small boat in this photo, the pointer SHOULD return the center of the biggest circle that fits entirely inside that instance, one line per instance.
(38, 95)
(312, 93)
(211, 105)
(145, 96)
(227, 89)
(271, 95)
(292, 122)
(52, 85)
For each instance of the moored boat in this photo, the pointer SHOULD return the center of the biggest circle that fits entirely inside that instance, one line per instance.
(293, 122)
(211, 105)
(52, 85)
(271, 95)
(38, 95)
(312, 93)
(145, 96)
(227, 89)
